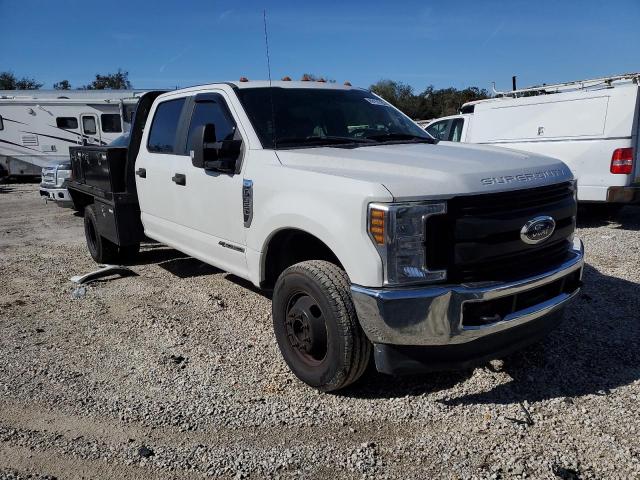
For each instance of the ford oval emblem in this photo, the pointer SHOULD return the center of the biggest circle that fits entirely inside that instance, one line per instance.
(537, 230)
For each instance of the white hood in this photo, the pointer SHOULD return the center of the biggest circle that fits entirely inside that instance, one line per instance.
(425, 170)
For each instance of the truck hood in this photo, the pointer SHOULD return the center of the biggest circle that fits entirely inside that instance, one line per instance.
(413, 171)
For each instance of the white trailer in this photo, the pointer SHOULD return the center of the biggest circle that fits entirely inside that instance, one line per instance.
(591, 125)
(38, 126)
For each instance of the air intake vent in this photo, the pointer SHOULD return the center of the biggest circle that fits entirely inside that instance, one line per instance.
(30, 140)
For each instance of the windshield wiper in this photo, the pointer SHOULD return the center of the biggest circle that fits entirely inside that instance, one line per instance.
(318, 140)
(391, 137)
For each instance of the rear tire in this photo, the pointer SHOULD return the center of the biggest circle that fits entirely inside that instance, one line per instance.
(101, 249)
(316, 326)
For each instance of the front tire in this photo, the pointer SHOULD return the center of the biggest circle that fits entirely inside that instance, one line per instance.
(316, 326)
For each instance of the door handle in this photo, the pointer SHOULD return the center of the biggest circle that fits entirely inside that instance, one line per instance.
(179, 179)
(142, 172)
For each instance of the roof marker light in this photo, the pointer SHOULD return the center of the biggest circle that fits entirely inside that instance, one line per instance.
(244, 79)
(347, 83)
(286, 79)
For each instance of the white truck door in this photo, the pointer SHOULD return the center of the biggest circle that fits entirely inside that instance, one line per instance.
(211, 202)
(155, 168)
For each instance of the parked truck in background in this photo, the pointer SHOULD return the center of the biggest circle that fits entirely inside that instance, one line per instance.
(370, 235)
(54, 182)
(591, 125)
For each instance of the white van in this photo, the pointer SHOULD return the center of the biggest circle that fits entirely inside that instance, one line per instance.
(591, 125)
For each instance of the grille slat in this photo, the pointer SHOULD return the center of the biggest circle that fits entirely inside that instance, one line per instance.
(493, 203)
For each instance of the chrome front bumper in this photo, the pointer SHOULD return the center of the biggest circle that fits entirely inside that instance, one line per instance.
(433, 315)
(59, 195)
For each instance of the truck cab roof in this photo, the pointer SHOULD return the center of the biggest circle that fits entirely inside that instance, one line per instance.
(241, 85)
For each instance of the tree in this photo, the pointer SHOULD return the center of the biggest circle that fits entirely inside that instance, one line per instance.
(310, 77)
(114, 81)
(8, 81)
(62, 85)
(431, 103)
(399, 95)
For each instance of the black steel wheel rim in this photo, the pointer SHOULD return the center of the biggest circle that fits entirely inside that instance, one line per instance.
(306, 329)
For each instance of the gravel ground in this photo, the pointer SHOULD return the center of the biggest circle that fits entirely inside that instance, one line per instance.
(175, 373)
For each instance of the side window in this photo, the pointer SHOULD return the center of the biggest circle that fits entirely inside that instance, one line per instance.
(455, 132)
(214, 111)
(68, 123)
(111, 122)
(162, 137)
(89, 125)
(438, 130)
(1, 123)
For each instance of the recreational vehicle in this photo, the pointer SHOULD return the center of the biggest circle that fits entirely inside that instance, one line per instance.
(38, 126)
(591, 125)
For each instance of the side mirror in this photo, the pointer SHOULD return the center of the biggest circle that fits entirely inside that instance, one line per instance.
(211, 155)
(203, 134)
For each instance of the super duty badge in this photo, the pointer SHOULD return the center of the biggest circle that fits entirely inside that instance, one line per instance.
(526, 177)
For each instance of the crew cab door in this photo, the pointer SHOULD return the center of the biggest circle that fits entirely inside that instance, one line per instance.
(194, 210)
(211, 201)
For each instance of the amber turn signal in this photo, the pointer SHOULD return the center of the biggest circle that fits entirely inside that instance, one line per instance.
(376, 225)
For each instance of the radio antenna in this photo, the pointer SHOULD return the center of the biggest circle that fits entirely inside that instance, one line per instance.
(273, 112)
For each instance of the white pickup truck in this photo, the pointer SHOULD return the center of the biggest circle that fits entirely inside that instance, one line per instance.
(370, 235)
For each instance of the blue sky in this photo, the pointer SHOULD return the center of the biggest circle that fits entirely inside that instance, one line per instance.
(167, 43)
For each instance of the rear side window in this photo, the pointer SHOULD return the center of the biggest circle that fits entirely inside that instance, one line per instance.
(111, 122)
(162, 137)
(67, 122)
(89, 125)
(212, 111)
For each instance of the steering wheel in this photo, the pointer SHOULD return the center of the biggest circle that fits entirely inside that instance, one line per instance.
(363, 132)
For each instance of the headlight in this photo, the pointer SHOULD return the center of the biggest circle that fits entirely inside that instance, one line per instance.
(62, 176)
(398, 232)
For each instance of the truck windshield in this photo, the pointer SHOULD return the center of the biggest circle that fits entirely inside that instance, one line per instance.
(307, 117)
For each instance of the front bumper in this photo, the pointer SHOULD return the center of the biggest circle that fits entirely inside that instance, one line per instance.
(59, 195)
(459, 315)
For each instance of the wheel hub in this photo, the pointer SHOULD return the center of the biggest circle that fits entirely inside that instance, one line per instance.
(306, 329)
